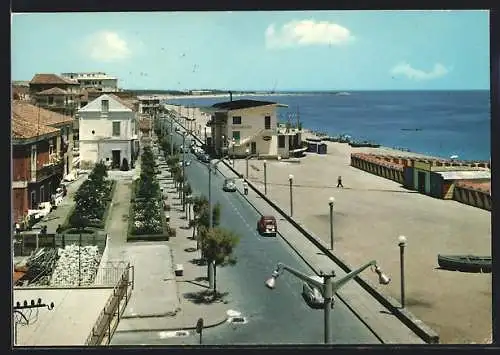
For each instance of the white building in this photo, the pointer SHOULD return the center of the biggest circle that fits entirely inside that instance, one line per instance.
(97, 80)
(149, 104)
(243, 127)
(108, 132)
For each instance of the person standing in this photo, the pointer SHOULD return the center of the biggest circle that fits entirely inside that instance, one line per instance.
(339, 182)
(245, 188)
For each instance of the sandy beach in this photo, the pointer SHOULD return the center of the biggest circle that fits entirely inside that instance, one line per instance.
(370, 212)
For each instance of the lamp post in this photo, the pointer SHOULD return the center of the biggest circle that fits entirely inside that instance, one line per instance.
(247, 151)
(402, 245)
(327, 288)
(331, 201)
(290, 179)
(233, 141)
(183, 167)
(265, 177)
(210, 215)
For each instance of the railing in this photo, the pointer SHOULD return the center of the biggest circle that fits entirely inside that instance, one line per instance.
(105, 325)
(47, 171)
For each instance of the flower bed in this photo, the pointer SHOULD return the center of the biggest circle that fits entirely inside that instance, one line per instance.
(99, 216)
(146, 218)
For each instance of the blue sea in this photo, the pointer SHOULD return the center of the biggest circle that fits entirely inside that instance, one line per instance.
(437, 123)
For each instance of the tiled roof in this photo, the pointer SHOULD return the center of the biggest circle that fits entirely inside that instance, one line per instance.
(24, 129)
(35, 114)
(52, 79)
(126, 102)
(240, 104)
(53, 91)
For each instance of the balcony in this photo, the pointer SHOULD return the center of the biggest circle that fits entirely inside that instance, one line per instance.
(48, 171)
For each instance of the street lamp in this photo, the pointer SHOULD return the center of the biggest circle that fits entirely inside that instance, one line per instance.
(290, 179)
(402, 245)
(183, 166)
(327, 288)
(247, 151)
(234, 142)
(331, 201)
(265, 177)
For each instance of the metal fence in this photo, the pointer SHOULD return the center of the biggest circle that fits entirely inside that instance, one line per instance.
(108, 319)
(27, 243)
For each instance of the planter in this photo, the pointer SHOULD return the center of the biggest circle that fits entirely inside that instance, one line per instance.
(179, 270)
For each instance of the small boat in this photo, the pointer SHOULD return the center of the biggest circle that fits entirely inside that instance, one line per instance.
(411, 129)
(364, 144)
(470, 263)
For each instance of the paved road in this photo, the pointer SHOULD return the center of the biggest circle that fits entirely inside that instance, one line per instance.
(273, 317)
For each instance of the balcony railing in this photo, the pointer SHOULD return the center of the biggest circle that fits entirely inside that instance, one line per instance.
(48, 171)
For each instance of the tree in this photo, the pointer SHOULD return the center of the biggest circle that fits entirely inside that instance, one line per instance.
(218, 247)
(187, 192)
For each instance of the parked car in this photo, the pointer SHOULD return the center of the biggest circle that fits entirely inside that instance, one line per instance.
(229, 185)
(267, 226)
(188, 163)
(205, 158)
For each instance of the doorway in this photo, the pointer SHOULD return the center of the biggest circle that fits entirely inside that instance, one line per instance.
(115, 156)
(253, 148)
(421, 182)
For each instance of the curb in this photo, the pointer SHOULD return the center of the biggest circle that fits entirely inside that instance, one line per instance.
(205, 326)
(416, 325)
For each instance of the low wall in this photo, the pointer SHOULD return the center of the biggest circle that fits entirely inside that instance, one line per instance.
(473, 197)
(386, 169)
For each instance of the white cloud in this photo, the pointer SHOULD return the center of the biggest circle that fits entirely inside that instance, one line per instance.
(306, 33)
(405, 69)
(107, 46)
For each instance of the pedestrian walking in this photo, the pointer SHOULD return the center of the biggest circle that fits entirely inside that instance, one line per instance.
(339, 182)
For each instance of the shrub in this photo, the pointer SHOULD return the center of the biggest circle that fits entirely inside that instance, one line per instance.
(124, 166)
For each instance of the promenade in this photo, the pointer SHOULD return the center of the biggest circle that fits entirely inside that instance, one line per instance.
(370, 212)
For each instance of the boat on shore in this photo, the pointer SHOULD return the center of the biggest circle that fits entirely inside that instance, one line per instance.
(364, 144)
(467, 263)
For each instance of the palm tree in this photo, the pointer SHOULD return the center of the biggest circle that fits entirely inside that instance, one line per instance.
(218, 247)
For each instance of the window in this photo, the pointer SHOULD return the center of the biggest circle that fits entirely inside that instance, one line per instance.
(116, 129)
(51, 100)
(42, 193)
(51, 148)
(104, 105)
(267, 122)
(236, 136)
(281, 141)
(236, 119)
(33, 200)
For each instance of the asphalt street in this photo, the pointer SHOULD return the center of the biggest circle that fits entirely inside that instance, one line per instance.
(278, 316)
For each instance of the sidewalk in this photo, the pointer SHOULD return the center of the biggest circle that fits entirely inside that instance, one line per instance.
(183, 300)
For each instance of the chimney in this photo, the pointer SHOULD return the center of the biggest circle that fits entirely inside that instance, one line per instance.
(230, 96)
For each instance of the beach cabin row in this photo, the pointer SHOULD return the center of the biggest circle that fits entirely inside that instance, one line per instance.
(464, 182)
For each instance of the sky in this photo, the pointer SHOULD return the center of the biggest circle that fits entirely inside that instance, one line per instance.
(260, 50)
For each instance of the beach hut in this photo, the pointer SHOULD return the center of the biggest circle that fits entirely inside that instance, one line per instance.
(322, 148)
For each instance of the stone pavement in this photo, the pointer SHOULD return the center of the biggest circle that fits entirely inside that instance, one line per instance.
(185, 298)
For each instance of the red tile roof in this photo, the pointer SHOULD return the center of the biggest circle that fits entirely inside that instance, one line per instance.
(53, 91)
(52, 79)
(126, 102)
(25, 129)
(37, 114)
